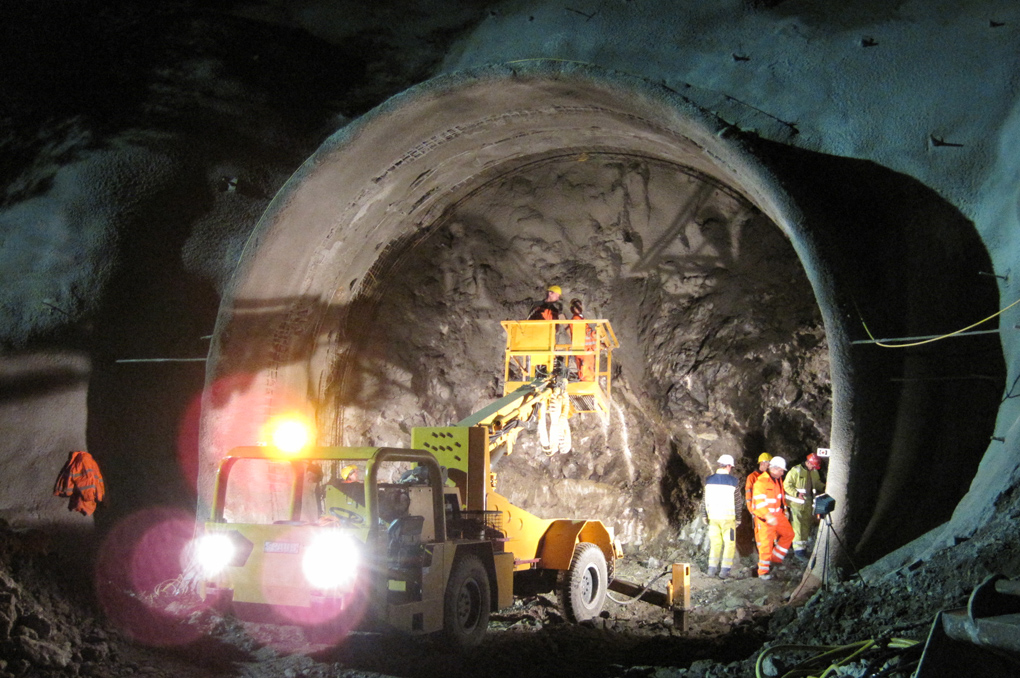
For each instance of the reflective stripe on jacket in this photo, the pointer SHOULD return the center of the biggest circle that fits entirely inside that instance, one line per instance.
(797, 481)
(80, 480)
(722, 497)
(767, 496)
(589, 332)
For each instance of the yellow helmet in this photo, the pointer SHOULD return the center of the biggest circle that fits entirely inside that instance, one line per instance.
(764, 456)
(555, 288)
(346, 471)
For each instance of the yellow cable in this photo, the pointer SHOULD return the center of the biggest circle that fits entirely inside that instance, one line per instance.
(944, 336)
(806, 668)
(863, 647)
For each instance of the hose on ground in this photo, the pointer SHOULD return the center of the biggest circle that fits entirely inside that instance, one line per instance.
(669, 570)
(876, 652)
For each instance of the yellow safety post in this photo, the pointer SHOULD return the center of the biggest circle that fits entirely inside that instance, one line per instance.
(678, 591)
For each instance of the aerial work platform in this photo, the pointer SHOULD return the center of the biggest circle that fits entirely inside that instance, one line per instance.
(581, 351)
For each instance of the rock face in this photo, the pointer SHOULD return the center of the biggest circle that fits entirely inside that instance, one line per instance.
(722, 349)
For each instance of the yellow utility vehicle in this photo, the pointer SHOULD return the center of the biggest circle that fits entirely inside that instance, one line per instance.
(417, 539)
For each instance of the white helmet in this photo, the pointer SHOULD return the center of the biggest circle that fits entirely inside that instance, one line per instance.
(778, 462)
(726, 460)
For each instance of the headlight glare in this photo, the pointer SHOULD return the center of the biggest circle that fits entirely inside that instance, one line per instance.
(214, 552)
(331, 560)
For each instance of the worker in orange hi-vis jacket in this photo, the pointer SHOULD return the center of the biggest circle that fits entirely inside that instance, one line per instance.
(80, 480)
(768, 501)
(763, 466)
(585, 363)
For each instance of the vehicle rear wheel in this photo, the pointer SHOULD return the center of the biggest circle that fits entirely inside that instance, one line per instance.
(582, 587)
(467, 604)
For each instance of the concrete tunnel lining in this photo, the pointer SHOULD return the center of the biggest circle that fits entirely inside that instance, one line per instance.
(392, 175)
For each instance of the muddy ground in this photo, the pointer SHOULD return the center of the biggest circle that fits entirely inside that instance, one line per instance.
(50, 625)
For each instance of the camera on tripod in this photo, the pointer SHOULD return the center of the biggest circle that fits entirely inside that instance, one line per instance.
(823, 506)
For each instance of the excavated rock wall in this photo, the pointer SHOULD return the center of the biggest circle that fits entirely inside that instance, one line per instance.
(722, 348)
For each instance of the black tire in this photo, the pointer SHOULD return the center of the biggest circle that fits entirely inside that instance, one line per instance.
(582, 587)
(467, 604)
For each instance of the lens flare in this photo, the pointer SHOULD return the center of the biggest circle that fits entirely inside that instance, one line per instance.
(140, 556)
(290, 434)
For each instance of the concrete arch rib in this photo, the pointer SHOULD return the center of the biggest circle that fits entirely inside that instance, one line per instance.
(390, 176)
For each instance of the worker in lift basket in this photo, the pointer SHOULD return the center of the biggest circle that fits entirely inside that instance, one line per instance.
(585, 363)
(721, 507)
(768, 504)
(551, 308)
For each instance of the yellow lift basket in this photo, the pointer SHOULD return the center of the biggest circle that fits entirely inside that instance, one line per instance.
(582, 350)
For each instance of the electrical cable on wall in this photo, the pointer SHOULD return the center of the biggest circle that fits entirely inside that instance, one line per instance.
(881, 342)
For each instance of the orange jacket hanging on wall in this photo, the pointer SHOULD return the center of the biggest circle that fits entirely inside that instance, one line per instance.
(80, 480)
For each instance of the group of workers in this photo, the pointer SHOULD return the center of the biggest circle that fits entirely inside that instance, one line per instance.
(782, 511)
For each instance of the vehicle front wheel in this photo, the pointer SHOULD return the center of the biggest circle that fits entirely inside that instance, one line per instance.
(582, 587)
(467, 604)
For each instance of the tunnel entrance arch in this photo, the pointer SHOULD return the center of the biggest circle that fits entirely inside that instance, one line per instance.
(387, 179)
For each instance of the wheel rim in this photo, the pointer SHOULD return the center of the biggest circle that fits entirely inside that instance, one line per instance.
(589, 584)
(469, 605)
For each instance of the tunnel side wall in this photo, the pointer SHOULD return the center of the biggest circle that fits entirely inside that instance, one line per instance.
(994, 488)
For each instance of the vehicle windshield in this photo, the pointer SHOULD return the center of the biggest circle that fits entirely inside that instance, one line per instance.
(266, 491)
(314, 491)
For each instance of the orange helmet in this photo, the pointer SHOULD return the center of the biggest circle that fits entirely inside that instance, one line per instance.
(813, 462)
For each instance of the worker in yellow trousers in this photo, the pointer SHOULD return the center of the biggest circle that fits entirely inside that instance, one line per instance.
(802, 484)
(721, 508)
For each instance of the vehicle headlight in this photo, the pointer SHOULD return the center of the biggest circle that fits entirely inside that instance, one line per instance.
(214, 552)
(331, 561)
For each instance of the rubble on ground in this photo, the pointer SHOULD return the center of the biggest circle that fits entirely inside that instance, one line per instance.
(49, 624)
